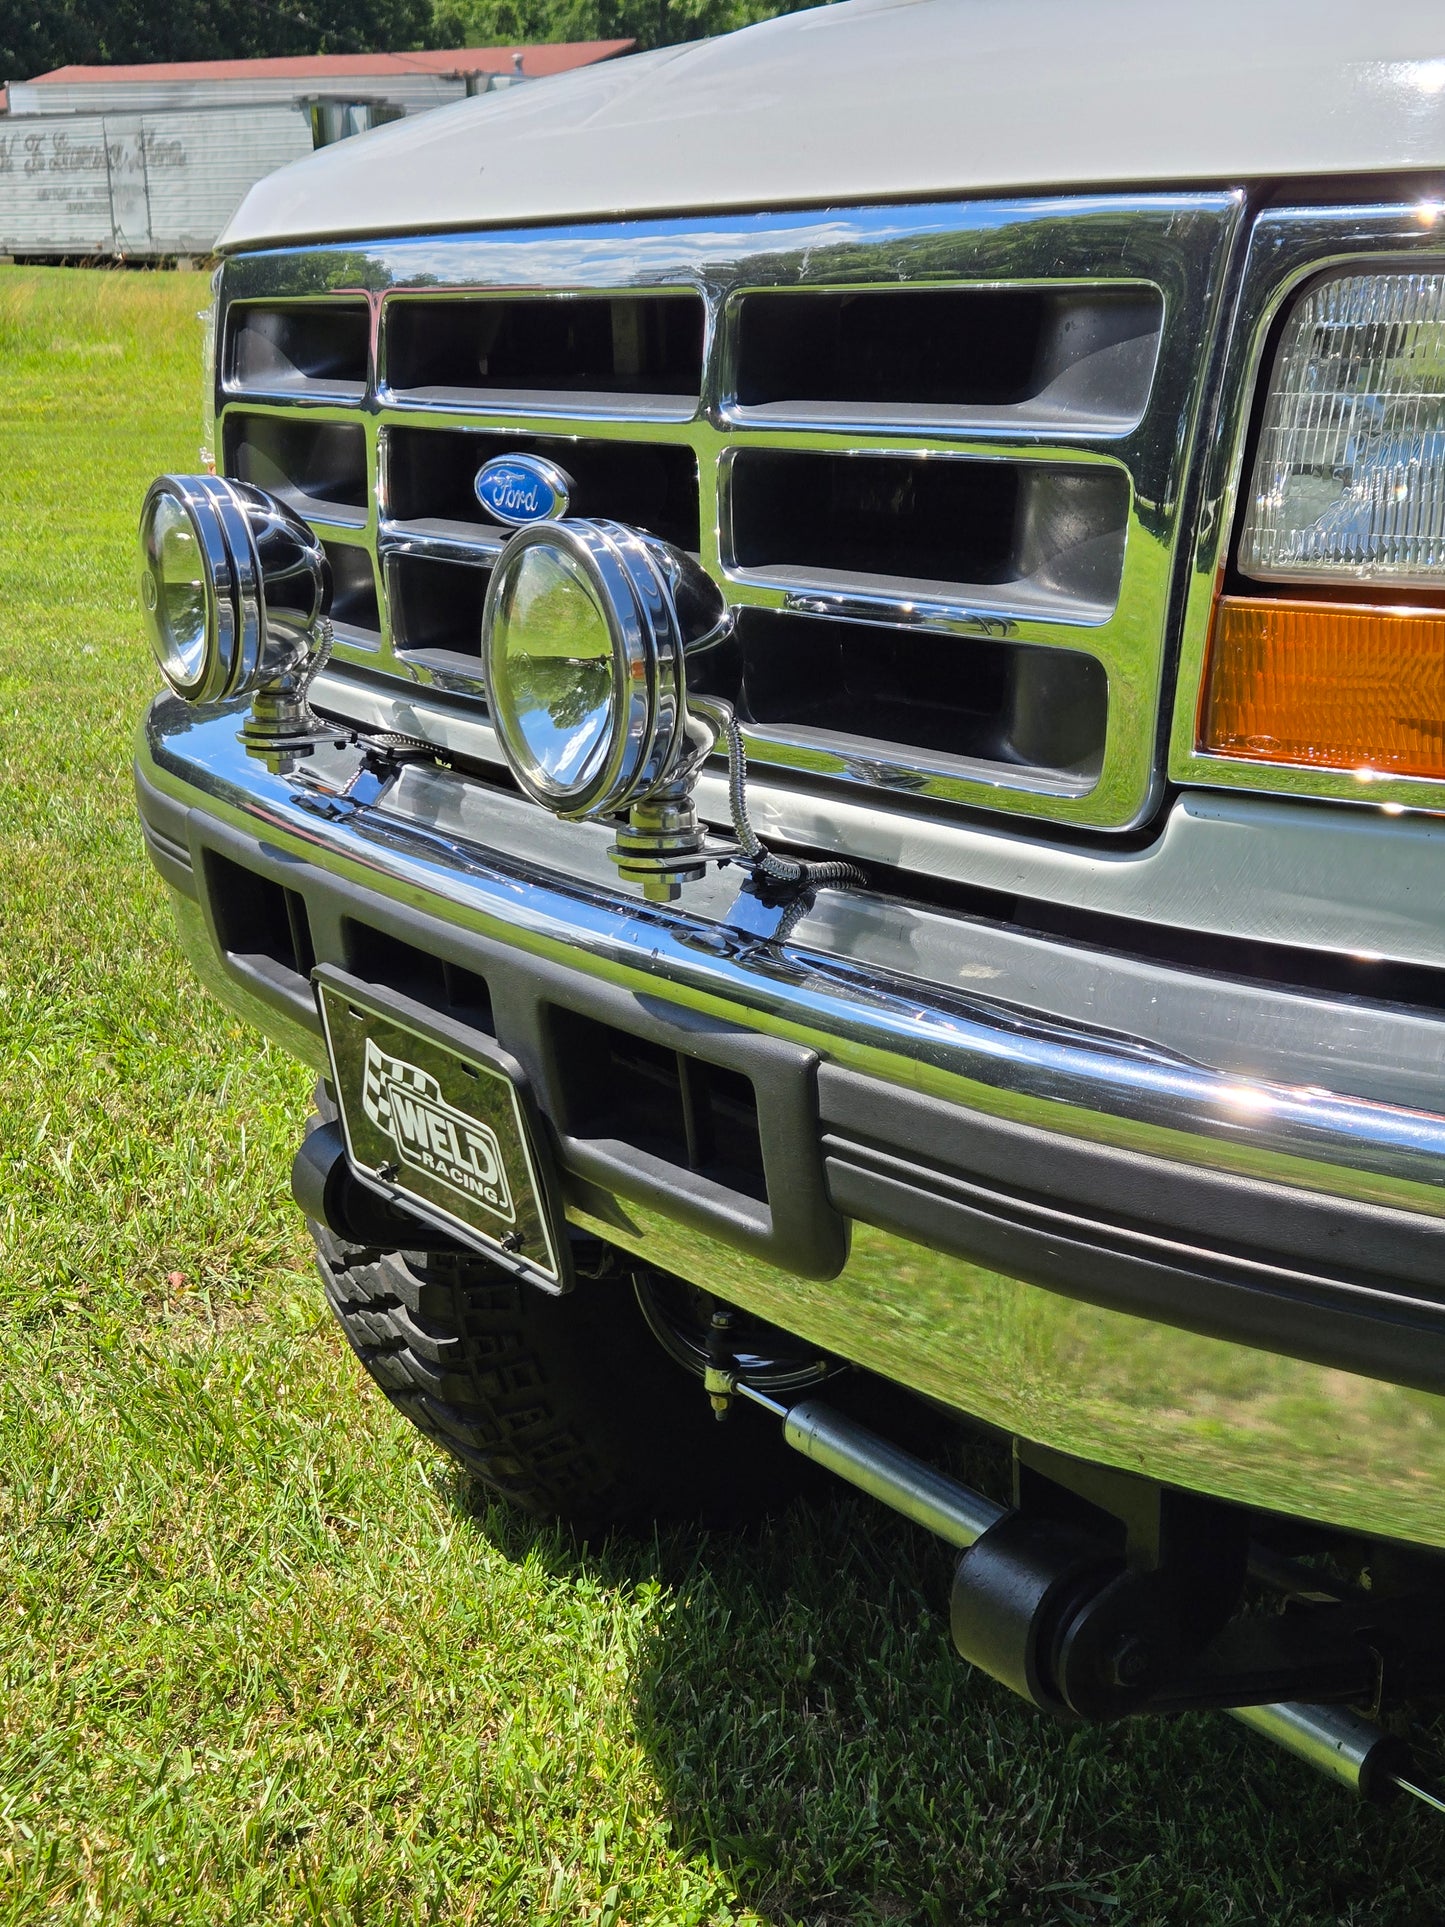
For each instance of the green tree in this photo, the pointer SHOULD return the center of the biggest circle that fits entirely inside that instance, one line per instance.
(31, 38)
(652, 23)
(35, 36)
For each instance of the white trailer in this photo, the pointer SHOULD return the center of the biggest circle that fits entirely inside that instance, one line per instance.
(141, 163)
(138, 186)
(407, 92)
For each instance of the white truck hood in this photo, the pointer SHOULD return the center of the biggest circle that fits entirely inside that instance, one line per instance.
(900, 100)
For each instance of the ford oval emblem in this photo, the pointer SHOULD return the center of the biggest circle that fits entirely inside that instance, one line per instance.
(517, 489)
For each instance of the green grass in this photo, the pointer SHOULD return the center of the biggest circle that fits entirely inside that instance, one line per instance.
(264, 1656)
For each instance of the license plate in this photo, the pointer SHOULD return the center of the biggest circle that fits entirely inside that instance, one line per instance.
(441, 1120)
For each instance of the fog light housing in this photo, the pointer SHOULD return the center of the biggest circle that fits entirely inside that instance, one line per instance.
(585, 633)
(587, 630)
(234, 587)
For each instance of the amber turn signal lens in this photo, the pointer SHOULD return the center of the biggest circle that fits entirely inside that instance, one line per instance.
(1328, 685)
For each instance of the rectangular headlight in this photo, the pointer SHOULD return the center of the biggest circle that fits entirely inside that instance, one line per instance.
(1349, 481)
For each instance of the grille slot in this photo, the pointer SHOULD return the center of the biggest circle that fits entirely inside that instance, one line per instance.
(872, 702)
(260, 923)
(316, 348)
(354, 603)
(380, 958)
(546, 350)
(1054, 536)
(641, 1095)
(436, 607)
(319, 467)
(430, 474)
(939, 356)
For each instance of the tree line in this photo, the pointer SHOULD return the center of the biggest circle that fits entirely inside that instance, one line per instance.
(36, 35)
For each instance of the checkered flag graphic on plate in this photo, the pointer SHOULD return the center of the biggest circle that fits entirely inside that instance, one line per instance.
(382, 1074)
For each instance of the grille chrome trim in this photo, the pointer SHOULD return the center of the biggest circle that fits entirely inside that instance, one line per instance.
(1179, 245)
(246, 455)
(446, 541)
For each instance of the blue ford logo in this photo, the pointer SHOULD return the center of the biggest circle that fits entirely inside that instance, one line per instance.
(516, 489)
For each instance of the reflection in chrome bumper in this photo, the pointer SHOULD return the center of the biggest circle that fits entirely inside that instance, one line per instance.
(1246, 1421)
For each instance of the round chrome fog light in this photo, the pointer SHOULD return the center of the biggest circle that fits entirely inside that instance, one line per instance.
(584, 633)
(587, 629)
(232, 582)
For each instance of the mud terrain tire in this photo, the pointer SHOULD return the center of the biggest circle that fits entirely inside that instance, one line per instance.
(566, 1406)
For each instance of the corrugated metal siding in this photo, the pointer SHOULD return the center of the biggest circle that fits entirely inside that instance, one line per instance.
(55, 187)
(137, 184)
(416, 92)
(200, 166)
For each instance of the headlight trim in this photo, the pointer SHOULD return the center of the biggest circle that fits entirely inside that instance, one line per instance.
(1289, 249)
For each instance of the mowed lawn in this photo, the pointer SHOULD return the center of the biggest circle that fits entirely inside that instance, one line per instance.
(264, 1655)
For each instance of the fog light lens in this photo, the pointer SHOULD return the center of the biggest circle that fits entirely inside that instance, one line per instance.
(554, 673)
(187, 589)
(175, 593)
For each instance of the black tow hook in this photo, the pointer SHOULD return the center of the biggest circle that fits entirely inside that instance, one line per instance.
(329, 1191)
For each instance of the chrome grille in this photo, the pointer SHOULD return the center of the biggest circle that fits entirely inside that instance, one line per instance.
(934, 456)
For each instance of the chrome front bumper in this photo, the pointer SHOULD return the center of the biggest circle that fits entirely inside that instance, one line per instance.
(1101, 1203)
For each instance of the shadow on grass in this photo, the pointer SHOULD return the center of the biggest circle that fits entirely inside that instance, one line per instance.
(819, 1743)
